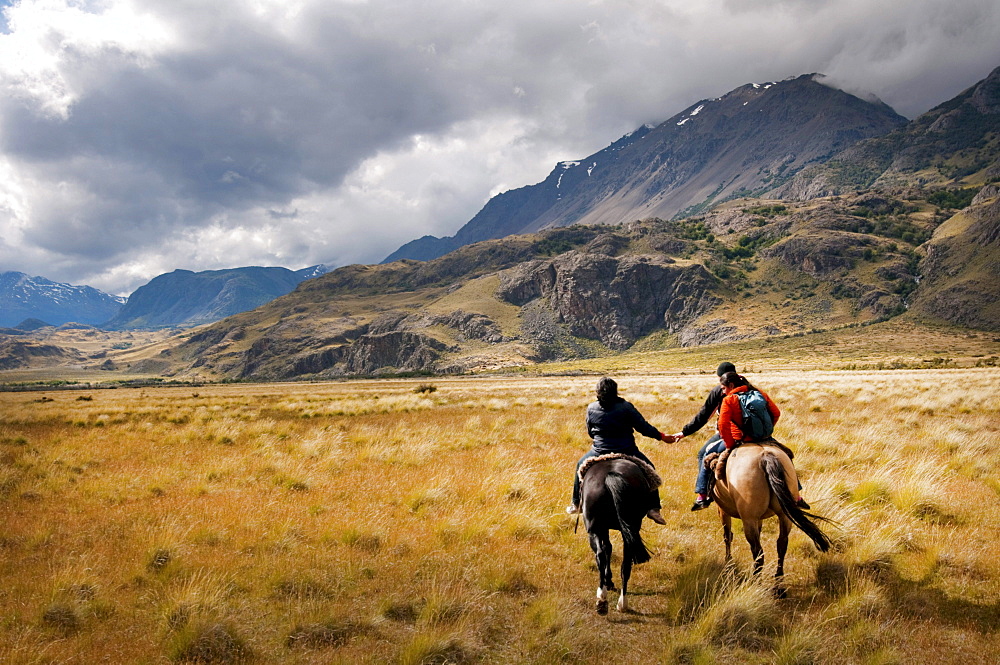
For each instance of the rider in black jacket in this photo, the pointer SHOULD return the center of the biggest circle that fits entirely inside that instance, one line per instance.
(610, 423)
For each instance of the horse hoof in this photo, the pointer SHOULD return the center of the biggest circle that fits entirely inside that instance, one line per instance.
(780, 592)
(602, 607)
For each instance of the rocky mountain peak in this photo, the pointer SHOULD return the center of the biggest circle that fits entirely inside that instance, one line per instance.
(743, 143)
(986, 96)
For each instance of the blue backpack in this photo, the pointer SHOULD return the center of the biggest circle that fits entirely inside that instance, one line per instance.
(757, 423)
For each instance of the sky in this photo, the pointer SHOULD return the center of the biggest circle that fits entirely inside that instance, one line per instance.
(142, 136)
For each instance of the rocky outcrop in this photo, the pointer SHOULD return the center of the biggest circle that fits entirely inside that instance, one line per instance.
(472, 326)
(712, 332)
(815, 255)
(468, 325)
(614, 300)
(278, 358)
(404, 351)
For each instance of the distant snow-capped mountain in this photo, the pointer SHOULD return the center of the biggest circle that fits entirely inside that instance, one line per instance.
(744, 143)
(24, 297)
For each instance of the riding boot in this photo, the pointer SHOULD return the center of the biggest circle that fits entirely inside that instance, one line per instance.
(654, 511)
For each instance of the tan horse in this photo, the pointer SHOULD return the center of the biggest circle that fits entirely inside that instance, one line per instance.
(755, 485)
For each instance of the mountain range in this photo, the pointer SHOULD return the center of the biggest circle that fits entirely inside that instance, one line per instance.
(775, 210)
(180, 298)
(185, 298)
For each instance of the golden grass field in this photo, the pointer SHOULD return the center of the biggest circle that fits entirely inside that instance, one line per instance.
(371, 522)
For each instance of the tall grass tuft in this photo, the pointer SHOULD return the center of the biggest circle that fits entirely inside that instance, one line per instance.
(432, 647)
(209, 643)
(743, 614)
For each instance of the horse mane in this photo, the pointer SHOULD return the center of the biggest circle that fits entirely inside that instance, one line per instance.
(652, 477)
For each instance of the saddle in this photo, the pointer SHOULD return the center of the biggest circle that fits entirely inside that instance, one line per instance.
(717, 461)
(652, 477)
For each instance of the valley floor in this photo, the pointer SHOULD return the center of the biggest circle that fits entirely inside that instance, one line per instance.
(418, 521)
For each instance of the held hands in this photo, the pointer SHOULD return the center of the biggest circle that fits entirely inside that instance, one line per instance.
(667, 438)
(678, 436)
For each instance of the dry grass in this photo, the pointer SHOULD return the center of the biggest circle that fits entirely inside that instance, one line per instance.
(370, 521)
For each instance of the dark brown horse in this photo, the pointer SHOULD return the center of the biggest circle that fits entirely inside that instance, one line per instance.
(755, 486)
(615, 492)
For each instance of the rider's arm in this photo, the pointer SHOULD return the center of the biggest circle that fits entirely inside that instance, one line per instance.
(640, 425)
(590, 422)
(712, 403)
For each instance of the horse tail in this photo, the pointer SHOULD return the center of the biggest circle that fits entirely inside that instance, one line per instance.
(631, 538)
(775, 474)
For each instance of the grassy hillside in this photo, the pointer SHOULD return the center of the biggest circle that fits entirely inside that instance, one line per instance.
(767, 269)
(416, 521)
(749, 270)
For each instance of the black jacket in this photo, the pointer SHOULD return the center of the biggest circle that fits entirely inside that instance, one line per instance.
(712, 404)
(611, 427)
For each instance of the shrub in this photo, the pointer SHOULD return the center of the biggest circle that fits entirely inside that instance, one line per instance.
(159, 559)
(209, 643)
(62, 618)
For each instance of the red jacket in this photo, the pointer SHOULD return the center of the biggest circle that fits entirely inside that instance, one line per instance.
(731, 416)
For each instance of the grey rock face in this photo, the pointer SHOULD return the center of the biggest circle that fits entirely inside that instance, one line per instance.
(397, 350)
(614, 300)
(815, 255)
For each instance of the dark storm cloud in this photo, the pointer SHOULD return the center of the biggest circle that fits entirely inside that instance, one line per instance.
(143, 136)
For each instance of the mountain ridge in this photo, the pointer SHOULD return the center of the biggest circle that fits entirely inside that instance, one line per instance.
(953, 143)
(741, 143)
(186, 298)
(24, 297)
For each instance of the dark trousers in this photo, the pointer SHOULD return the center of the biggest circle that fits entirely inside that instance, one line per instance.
(654, 495)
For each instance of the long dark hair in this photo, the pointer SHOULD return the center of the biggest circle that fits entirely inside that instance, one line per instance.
(607, 392)
(734, 379)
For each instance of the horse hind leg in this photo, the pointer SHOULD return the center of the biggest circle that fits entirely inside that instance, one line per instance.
(601, 544)
(751, 529)
(784, 528)
(626, 574)
(727, 535)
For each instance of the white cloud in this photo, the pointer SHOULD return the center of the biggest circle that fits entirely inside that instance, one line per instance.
(138, 136)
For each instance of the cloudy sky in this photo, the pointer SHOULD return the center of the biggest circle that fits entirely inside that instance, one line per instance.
(140, 136)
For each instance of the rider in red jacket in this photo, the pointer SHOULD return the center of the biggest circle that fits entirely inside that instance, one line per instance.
(730, 413)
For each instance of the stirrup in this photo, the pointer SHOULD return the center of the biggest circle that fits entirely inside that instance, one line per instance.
(654, 514)
(699, 504)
